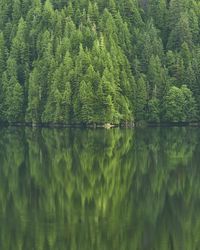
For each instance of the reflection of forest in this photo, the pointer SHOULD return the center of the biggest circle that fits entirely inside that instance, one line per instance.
(99, 189)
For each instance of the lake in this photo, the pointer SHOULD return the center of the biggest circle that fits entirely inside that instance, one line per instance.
(134, 189)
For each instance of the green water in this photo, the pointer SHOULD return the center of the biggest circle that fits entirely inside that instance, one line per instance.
(100, 189)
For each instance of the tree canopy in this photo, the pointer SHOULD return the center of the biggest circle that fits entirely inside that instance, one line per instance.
(99, 61)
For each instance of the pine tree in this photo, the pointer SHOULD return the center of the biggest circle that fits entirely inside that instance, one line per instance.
(153, 114)
(148, 44)
(16, 12)
(157, 77)
(57, 108)
(140, 99)
(19, 51)
(180, 33)
(86, 97)
(14, 96)
(33, 112)
(2, 54)
(157, 9)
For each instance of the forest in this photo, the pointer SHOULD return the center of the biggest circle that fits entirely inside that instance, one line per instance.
(99, 61)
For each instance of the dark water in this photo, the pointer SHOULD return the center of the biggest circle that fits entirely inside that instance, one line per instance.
(100, 189)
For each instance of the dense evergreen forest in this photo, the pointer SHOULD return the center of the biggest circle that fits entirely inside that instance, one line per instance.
(99, 61)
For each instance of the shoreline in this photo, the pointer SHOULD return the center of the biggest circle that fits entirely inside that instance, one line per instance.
(103, 125)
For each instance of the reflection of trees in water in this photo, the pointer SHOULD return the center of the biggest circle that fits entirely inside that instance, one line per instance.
(85, 189)
(167, 193)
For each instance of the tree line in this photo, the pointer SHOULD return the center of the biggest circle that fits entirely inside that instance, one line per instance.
(99, 61)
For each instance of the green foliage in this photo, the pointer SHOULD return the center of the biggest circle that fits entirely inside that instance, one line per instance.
(140, 99)
(153, 114)
(83, 61)
(179, 105)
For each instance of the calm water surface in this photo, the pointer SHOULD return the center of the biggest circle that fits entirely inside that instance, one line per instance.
(100, 189)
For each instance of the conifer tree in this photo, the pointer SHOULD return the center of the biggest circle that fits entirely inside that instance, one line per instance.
(33, 113)
(157, 77)
(140, 99)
